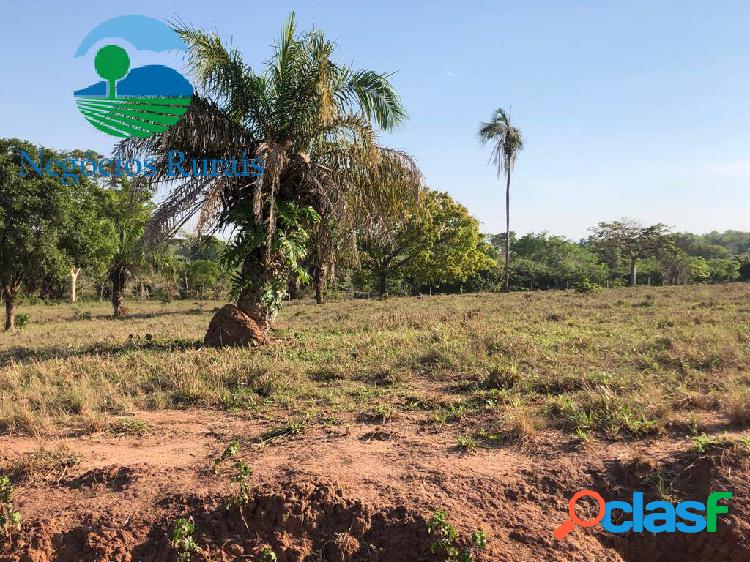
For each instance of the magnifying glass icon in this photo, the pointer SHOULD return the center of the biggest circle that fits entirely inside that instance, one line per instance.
(569, 524)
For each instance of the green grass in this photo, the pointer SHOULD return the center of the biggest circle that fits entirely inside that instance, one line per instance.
(485, 366)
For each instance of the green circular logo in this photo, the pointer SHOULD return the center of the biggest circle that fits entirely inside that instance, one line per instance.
(133, 102)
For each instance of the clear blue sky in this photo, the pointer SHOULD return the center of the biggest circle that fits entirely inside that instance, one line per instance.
(636, 108)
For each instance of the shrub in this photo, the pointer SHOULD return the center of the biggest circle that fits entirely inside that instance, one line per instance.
(22, 319)
(585, 286)
(446, 545)
(81, 314)
(10, 519)
(182, 540)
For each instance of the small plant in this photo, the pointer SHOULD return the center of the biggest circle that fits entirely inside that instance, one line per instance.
(711, 445)
(648, 302)
(10, 519)
(663, 489)
(454, 411)
(380, 413)
(445, 542)
(231, 450)
(242, 473)
(443, 535)
(292, 428)
(22, 319)
(128, 427)
(738, 407)
(479, 539)
(182, 540)
(703, 443)
(48, 465)
(693, 424)
(501, 378)
(582, 434)
(164, 297)
(267, 555)
(79, 314)
(467, 444)
(242, 476)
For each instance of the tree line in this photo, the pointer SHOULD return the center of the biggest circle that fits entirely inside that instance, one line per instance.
(56, 239)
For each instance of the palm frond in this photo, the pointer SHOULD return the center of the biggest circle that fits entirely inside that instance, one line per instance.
(506, 139)
(377, 98)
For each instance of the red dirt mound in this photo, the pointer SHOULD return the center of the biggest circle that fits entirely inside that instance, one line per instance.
(232, 327)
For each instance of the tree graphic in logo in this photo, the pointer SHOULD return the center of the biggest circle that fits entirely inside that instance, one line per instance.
(112, 63)
(133, 102)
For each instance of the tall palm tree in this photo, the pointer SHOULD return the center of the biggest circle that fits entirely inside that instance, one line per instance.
(312, 122)
(506, 143)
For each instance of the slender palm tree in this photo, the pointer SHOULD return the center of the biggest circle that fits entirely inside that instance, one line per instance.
(313, 124)
(506, 143)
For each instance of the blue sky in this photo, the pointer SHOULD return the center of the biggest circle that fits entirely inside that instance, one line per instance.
(638, 108)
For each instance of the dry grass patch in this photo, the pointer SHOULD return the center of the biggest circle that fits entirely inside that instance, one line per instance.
(620, 363)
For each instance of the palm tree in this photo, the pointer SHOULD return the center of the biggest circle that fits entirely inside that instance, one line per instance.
(312, 122)
(127, 207)
(507, 142)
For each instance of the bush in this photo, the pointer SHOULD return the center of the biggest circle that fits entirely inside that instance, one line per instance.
(22, 319)
(81, 314)
(585, 286)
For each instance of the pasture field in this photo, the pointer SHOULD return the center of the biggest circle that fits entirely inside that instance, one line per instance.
(366, 423)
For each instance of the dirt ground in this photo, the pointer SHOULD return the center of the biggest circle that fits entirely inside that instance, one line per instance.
(357, 491)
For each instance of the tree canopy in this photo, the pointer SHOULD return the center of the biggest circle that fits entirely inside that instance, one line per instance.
(312, 122)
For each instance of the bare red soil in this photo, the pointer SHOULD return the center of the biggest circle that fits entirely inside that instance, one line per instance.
(358, 492)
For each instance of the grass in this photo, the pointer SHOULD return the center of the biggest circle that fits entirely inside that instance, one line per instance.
(602, 363)
(43, 465)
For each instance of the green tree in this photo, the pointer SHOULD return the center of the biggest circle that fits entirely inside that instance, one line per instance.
(435, 242)
(203, 275)
(128, 207)
(546, 262)
(736, 242)
(88, 238)
(506, 143)
(675, 266)
(698, 269)
(312, 123)
(452, 244)
(633, 240)
(724, 269)
(744, 270)
(194, 247)
(30, 222)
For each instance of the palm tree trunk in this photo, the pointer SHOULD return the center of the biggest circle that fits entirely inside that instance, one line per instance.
(258, 276)
(506, 273)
